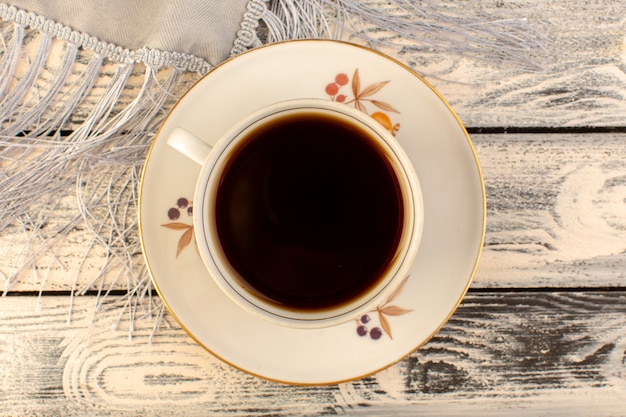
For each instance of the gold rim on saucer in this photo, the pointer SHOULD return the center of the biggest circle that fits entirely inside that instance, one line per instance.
(454, 212)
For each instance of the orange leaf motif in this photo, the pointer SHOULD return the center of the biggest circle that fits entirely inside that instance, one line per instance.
(356, 84)
(394, 310)
(397, 291)
(360, 106)
(384, 106)
(185, 240)
(177, 226)
(383, 311)
(384, 323)
(372, 89)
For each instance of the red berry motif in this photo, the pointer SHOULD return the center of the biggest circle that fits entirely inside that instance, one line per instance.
(332, 89)
(363, 96)
(341, 79)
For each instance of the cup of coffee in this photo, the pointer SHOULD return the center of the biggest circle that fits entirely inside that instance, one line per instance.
(307, 212)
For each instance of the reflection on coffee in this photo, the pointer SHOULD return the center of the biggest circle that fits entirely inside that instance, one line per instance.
(309, 211)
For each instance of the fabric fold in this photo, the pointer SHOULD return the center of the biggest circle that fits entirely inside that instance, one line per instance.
(84, 87)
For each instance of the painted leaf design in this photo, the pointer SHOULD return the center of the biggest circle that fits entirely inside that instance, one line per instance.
(360, 106)
(394, 310)
(384, 323)
(384, 106)
(372, 89)
(397, 291)
(356, 84)
(177, 226)
(185, 240)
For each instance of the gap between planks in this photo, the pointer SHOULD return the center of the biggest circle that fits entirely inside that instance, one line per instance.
(515, 354)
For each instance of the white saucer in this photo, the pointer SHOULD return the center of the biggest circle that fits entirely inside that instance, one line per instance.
(454, 212)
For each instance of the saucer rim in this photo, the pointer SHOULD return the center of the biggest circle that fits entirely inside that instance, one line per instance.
(469, 279)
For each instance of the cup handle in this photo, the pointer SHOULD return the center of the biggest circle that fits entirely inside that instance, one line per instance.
(189, 145)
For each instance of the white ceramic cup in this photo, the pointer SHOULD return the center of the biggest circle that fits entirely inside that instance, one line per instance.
(213, 159)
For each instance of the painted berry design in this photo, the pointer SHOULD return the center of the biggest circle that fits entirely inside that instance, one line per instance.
(383, 312)
(360, 96)
(183, 207)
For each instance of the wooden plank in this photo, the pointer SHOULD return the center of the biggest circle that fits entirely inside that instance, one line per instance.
(571, 74)
(513, 353)
(555, 219)
(567, 71)
(555, 210)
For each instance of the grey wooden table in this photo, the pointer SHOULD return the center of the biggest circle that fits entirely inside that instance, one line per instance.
(541, 332)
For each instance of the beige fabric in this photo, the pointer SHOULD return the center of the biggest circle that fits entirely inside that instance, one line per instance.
(78, 119)
(203, 28)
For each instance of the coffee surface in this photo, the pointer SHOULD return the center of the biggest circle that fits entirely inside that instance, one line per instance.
(309, 211)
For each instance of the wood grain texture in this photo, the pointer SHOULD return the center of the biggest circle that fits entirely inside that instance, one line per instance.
(575, 72)
(579, 81)
(556, 210)
(555, 219)
(534, 238)
(507, 352)
(536, 336)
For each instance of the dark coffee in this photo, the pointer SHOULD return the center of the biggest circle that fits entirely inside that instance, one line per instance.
(309, 211)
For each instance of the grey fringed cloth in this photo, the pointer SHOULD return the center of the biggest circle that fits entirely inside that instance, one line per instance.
(85, 85)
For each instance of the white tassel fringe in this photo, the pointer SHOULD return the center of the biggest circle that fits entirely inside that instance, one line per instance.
(60, 137)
